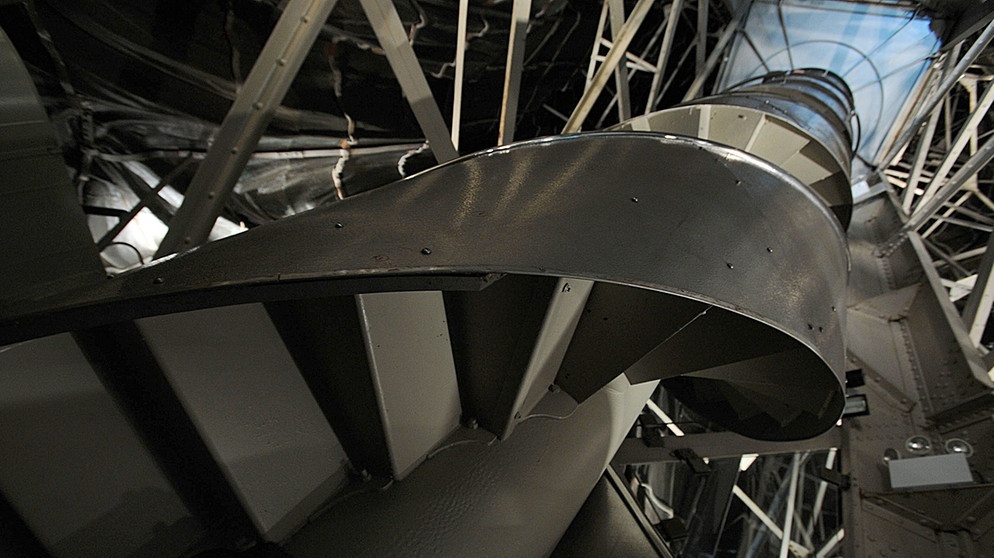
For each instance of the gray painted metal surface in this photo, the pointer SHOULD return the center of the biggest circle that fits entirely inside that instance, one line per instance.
(570, 206)
(252, 409)
(929, 471)
(73, 467)
(410, 357)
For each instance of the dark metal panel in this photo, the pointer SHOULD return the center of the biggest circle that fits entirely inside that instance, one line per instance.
(618, 327)
(493, 332)
(324, 337)
(16, 538)
(130, 372)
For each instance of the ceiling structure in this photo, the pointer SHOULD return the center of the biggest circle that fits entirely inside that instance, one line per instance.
(326, 383)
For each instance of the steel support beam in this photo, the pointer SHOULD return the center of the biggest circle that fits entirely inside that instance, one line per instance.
(520, 14)
(978, 305)
(596, 50)
(758, 511)
(965, 134)
(716, 445)
(726, 36)
(788, 522)
(702, 34)
(460, 71)
(831, 543)
(617, 13)
(928, 210)
(940, 93)
(393, 40)
(254, 107)
(614, 56)
(924, 146)
(664, 53)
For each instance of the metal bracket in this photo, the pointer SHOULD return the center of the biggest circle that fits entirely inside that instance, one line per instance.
(694, 461)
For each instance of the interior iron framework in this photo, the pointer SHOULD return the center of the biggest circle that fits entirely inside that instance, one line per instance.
(567, 278)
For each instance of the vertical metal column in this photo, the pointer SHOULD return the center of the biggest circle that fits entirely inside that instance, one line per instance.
(617, 9)
(520, 14)
(460, 71)
(664, 53)
(267, 84)
(702, 34)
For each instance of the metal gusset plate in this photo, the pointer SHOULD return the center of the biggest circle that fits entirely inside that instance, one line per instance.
(707, 263)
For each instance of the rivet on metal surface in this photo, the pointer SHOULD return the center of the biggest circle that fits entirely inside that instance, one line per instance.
(635, 200)
(730, 266)
(339, 225)
(281, 62)
(917, 444)
(157, 281)
(234, 150)
(769, 250)
(426, 251)
(957, 445)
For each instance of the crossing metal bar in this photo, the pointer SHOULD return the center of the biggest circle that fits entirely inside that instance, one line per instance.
(382, 15)
(726, 35)
(460, 71)
(617, 13)
(264, 89)
(924, 146)
(966, 132)
(929, 105)
(664, 53)
(978, 305)
(788, 521)
(945, 193)
(614, 56)
(702, 34)
(520, 13)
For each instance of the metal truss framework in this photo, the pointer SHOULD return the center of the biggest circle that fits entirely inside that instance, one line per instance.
(940, 173)
(939, 189)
